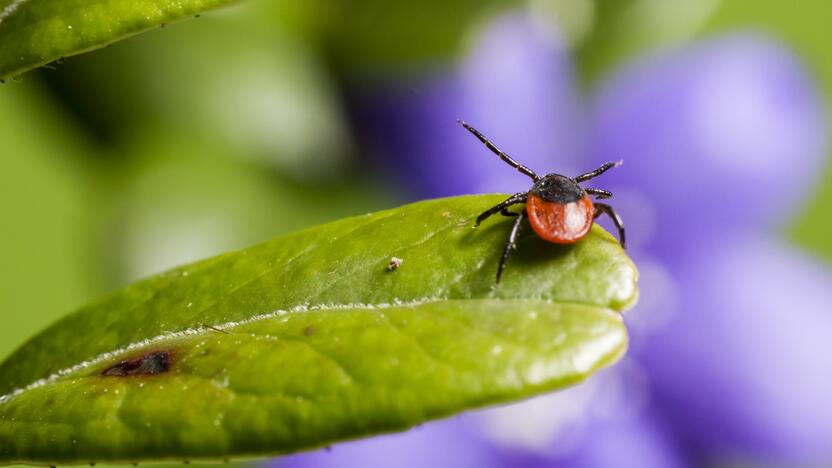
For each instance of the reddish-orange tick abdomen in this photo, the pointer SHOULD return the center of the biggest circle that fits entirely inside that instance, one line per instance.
(561, 223)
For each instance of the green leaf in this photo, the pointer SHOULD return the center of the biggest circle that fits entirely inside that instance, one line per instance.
(310, 339)
(36, 32)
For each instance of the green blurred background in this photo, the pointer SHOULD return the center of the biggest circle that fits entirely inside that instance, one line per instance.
(216, 133)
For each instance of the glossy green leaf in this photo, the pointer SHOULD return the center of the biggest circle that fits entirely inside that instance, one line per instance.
(310, 338)
(36, 32)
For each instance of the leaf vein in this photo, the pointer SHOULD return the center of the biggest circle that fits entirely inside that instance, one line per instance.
(417, 344)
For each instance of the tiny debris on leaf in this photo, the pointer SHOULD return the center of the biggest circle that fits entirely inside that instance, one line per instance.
(395, 263)
(215, 329)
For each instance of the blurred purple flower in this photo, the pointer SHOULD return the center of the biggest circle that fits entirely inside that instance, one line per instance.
(726, 136)
(442, 443)
(602, 423)
(744, 369)
(636, 443)
(722, 134)
(721, 141)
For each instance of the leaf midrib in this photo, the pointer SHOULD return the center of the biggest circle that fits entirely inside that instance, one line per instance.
(207, 329)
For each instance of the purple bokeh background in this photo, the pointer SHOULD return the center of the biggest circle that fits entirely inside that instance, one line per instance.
(718, 135)
(721, 140)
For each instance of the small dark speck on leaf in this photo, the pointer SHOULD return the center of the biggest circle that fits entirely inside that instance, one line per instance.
(218, 330)
(395, 263)
(309, 330)
(149, 364)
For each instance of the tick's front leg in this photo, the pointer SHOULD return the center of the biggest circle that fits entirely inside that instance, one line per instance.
(512, 200)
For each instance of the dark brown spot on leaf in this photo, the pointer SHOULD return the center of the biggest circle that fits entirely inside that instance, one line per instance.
(309, 330)
(150, 364)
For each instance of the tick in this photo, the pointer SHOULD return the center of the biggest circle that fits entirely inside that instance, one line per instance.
(557, 207)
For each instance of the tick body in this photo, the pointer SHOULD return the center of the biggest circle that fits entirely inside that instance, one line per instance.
(559, 210)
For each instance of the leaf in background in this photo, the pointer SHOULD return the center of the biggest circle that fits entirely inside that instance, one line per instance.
(309, 339)
(269, 97)
(36, 32)
(627, 28)
(391, 36)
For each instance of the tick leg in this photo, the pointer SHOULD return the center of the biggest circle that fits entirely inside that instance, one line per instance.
(597, 172)
(599, 193)
(603, 208)
(509, 214)
(511, 162)
(512, 200)
(512, 241)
